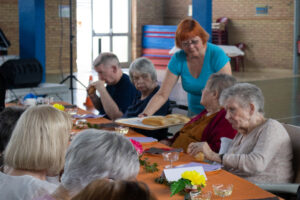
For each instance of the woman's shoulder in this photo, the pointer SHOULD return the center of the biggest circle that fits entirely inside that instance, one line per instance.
(180, 55)
(214, 48)
(275, 128)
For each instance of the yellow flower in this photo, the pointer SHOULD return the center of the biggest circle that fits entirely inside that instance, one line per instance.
(59, 107)
(194, 177)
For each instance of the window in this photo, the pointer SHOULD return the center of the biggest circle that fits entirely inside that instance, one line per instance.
(111, 28)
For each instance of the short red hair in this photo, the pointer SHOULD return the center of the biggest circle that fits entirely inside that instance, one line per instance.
(189, 28)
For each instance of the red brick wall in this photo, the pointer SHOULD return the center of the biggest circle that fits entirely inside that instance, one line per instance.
(269, 39)
(9, 23)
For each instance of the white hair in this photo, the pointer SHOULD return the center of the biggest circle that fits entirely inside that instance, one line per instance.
(244, 93)
(95, 154)
(144, 66)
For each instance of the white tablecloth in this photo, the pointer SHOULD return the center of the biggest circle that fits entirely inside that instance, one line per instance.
(231, 50)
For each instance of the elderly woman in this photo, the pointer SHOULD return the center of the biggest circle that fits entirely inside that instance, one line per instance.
(261, 152)
(210, 125)
(95, 154)
(143, 75)
(197, 60)
(36, 149)
(115, 190)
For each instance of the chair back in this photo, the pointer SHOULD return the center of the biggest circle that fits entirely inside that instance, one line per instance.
(222, 20)
(294, 133)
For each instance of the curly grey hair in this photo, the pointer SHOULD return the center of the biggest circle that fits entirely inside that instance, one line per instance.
(95, 154)
(144, 66)
(244, 93)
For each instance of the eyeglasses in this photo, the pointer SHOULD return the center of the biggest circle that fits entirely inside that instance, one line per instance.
(189, 42)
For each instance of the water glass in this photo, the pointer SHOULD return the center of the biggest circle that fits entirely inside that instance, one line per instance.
(123, 130)
(199, 195)
(170, 156)
(222, 190)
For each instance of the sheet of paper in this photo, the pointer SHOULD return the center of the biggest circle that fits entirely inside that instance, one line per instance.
(86, 116)
(143, 139)
(174, 174)
(206, 167)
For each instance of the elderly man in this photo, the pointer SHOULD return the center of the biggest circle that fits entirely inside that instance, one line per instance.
(118, 94)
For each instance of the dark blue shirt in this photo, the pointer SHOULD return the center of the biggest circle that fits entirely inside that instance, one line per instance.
(123, 93)
(138, 107)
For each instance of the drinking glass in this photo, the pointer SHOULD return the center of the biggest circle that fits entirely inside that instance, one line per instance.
(222, 190)
(122, 130)
(170, 156)
(199, 195)
(72, 111)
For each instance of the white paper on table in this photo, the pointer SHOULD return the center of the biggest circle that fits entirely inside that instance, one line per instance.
(225, 144)
(174, 174)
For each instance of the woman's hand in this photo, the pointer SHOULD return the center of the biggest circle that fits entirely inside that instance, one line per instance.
(196, 147)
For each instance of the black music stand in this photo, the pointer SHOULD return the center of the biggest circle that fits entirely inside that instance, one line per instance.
(71, 76)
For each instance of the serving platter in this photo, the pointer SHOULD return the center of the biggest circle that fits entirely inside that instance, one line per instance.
(136, 122)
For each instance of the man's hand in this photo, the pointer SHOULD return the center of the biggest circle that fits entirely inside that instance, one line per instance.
(99, 85)
(91, 90)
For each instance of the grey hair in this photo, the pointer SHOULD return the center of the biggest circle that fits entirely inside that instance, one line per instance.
(144, 66)
(218, 82)
(106, 58)
(95, 154)
(245, 93)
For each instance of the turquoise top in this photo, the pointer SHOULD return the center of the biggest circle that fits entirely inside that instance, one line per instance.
(214, 60)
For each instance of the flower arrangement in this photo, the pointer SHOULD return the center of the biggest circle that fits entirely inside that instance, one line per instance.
(59, 107)
(191, 180)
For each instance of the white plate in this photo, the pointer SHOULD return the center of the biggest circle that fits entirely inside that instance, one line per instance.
(136, 122)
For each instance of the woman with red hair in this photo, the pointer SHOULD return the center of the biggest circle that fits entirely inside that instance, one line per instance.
(194, 63)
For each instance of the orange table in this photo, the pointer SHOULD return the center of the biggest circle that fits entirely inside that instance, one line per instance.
(242, 188)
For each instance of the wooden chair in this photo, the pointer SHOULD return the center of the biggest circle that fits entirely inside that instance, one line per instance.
(239, 60)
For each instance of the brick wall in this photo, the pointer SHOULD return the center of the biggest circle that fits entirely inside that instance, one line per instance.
(269, 39)
(175, 11)
(155, 12)
(9, 23)
(58, 37)
(144, 12)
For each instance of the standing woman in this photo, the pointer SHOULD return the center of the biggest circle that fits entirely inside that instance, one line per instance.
(197, 60)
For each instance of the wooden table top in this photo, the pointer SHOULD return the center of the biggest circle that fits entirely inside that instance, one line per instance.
(242, 189)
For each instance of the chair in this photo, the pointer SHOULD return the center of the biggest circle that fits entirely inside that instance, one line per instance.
(220, 36)
(289, 188)
(239, 60)
(173, 104)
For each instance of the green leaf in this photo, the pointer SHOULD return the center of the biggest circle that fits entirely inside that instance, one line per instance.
(177, 186)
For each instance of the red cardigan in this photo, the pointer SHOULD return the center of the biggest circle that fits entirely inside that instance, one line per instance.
(217, 128)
